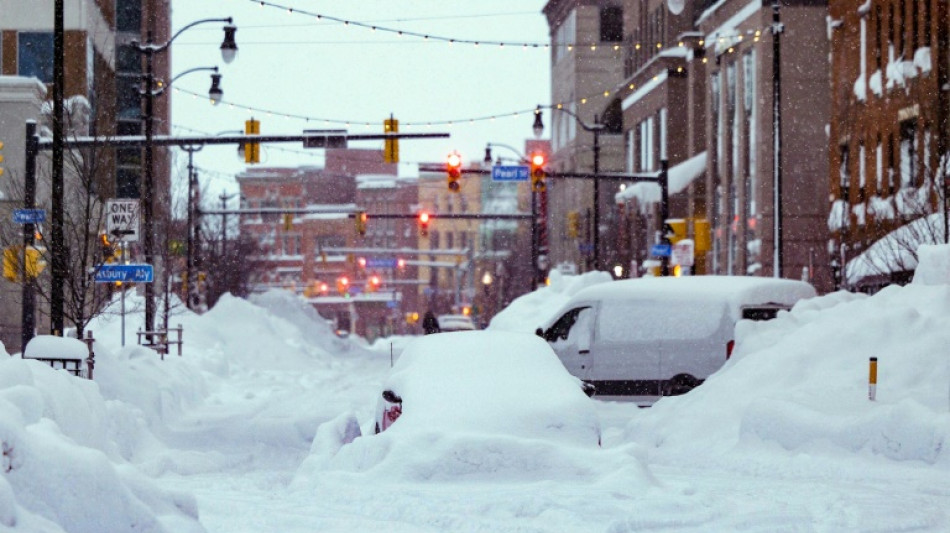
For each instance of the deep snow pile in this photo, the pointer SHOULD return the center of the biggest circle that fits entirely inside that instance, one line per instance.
(76, 454)
(526, 313)
(799, 383)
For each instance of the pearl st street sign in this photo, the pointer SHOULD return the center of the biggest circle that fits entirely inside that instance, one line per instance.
(122, 218)
(509, 173)
(29, 216)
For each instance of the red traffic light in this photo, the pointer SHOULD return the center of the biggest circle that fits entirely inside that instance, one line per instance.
(537, 160)
(361, 262)
(423, 218)
(454, 160)
(400, 263)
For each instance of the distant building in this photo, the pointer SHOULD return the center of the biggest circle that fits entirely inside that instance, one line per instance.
(307, 253)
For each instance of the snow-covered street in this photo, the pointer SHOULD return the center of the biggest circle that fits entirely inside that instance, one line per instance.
(236, 435)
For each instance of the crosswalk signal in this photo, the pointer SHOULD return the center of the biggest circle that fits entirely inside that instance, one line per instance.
(342, 284)
(361, 218)
(453, 169)
(374, 283)
(391, 145)
(424, 224)
(252, 150)
(538, 175)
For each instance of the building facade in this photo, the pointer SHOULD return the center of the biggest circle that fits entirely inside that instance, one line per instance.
(889, 136)
(586, 68)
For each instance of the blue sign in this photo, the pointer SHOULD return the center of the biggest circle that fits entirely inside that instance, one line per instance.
(125, 273)
(29, 216)
(661, 250)
(585, 248)
(509, 173)
(392, 304)
(381, 263)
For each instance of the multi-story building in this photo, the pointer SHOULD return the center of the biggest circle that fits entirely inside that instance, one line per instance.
(306, 253)
(889, 136)
(26, 79)
(586, 68)
(662, 98)
(449, 245)
(741, 174)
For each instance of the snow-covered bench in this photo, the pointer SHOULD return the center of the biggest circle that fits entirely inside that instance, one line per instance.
(63, 353)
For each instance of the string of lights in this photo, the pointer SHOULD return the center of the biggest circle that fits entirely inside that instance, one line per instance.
(569, 46)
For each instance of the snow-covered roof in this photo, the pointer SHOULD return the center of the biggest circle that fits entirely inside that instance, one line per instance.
(737, 290)
(680, 176)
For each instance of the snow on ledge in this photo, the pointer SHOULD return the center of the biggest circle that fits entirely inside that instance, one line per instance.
(53, 347)
(680, 176)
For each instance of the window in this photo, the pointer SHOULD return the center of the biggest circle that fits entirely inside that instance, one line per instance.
(611, 24)
(127, 97)
(748, 89)
(128, 15)
(862, 172)
(128, 59)
(844, 172)
(127, 183)
(646, 145)
(564, 36)
(661, 118)
(908, 153)
(35, 55)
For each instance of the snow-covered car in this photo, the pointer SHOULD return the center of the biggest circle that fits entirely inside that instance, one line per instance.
(449, 323)
(486, 382)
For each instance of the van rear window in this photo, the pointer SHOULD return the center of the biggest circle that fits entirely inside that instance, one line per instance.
(760, 313)
(626, 321)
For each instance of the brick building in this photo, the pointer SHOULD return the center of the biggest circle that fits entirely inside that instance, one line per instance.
(889, 135)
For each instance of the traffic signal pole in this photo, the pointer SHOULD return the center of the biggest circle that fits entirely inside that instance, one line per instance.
(28, 318)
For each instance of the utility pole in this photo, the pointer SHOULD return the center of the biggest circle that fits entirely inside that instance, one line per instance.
(29, 202)
(58, 247)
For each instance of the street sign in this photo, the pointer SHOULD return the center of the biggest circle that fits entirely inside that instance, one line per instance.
(661, 250)
(29, 216)
(585, 248)
(122, 218)
(683, 253)
(510, 173)
(392, 304)
(126, 273)
(324, 138)
(381, 263)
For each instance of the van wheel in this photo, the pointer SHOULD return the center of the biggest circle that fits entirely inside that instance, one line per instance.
(679, 385)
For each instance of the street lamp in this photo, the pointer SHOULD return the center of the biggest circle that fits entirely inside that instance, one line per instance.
(596, 128)
(488, 155)
(149, 49)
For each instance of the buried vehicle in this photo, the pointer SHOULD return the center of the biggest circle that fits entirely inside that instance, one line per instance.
(645, 338)
(482, 382)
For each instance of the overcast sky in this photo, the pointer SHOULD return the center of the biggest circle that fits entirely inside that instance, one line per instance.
(292, 63)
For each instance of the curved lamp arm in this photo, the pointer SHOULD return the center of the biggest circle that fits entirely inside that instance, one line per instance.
(539, 126)
(228, 46)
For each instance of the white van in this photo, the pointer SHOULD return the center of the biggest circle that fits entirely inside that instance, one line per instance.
(640, 339)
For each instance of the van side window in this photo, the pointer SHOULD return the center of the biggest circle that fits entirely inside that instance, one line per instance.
(563, 326)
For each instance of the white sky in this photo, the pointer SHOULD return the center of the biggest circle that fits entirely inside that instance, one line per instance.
(295, 64)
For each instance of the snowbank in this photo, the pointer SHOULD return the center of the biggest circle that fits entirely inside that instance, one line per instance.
(531, 310)
(799, 384)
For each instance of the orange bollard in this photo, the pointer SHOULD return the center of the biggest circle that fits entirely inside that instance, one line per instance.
(872, 379)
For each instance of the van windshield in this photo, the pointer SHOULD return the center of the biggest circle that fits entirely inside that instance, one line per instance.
(625, 321)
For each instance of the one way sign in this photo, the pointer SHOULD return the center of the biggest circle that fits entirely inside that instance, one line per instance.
(122, 218)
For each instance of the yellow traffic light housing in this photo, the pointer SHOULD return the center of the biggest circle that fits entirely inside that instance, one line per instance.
(361, 219)
(573, 224)
(538, 174)
(252, 150)
(391, 145)
(1, 158)
(453, 170)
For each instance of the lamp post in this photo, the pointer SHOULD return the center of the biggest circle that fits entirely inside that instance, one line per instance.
(596, 128)
(777, 29)
(149, 49)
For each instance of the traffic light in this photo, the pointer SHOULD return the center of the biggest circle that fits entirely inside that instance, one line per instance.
(107, 248)
(361, 218)
(288, 222)
(391, 146)
(424, 224)
(373, 284)
(573, 224)
(252, 150)
(342, 284)
(400, 263)
(361, 262)
(675, 229)
(538, 174)
(453, 168)
(1, 158)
